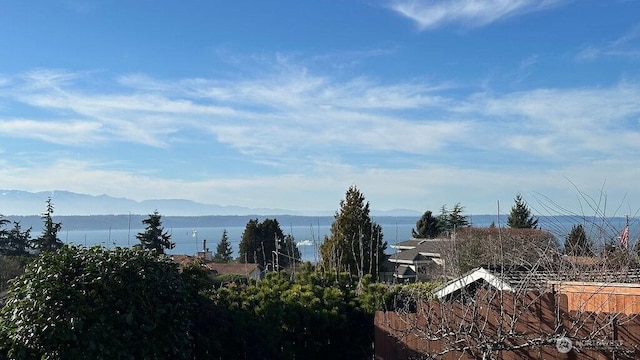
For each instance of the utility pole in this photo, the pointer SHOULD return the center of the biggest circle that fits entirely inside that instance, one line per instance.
(276, 252)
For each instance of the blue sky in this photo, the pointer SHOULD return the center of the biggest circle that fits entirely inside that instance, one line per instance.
(285, 104)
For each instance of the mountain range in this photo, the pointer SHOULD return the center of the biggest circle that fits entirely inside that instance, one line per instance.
(18, 202)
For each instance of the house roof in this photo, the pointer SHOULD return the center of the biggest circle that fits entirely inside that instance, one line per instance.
(221, 268)
(232, 268)
(583, 260)
(433, 247)
(519, 278)
(182, 259)
(408, 256)
(428, 244)
(473, 276)
(407, 244)
(410, 249)
(404, 271)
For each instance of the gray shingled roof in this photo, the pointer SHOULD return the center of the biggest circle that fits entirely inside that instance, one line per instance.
(427, 247)
(411, 255)
(414, 242)
(408, 243)
(404, 271)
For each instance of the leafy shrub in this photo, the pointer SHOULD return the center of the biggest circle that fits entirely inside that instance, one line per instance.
(227, 279)
(407, 296)
(79, 303)
(317, 317)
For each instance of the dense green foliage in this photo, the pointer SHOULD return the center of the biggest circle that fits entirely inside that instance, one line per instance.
(155, 237)
(14, 251)
(520, 216)
(95, 303)
(577, 243)
(14, 241)
(3, 233)
(355, 244)
(427, 227)
(80, 303)
(405, 298)
(10, 268)
(318, 316)
(264, 243)
(48, 239)
(223, 249)
(17, 241)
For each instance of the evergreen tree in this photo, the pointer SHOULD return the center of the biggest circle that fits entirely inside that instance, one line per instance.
(577, 243)
(3, 223)
(154, 237)
(456, 219)
(288, 249)
(250, 243)
(260, 241)
(443, 220)
(450, 221)
(427, 226)
(3, 235)
(223, 250)
(15, 241)
(520, 216)
(355, 244)
(48, 240)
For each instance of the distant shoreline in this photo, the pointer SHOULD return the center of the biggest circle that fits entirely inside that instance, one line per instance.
(558, 225)
(105, 222)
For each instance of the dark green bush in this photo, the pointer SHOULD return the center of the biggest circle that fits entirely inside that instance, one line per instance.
(79, 303)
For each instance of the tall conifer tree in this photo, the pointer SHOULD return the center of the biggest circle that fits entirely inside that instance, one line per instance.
(223, 250)
(427, 226)
(355, 244)
(155, 237)
(48, 239)
(520, 216)
(264, 243)
(577, 243)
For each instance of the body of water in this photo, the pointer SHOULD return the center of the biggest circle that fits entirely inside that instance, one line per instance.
(191, 240)
(309, 232)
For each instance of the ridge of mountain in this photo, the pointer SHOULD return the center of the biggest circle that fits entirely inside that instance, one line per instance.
(23, 203)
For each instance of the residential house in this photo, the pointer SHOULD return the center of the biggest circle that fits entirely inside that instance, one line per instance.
(416, 259)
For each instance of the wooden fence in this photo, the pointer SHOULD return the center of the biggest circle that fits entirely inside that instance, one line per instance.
(501, 325)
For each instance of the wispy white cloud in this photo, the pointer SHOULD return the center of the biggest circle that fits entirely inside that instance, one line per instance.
(565, 123)
(625, 47)
(283, 119)
(347, 59)
(57, 132)
(272, 113)
(430, 14)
